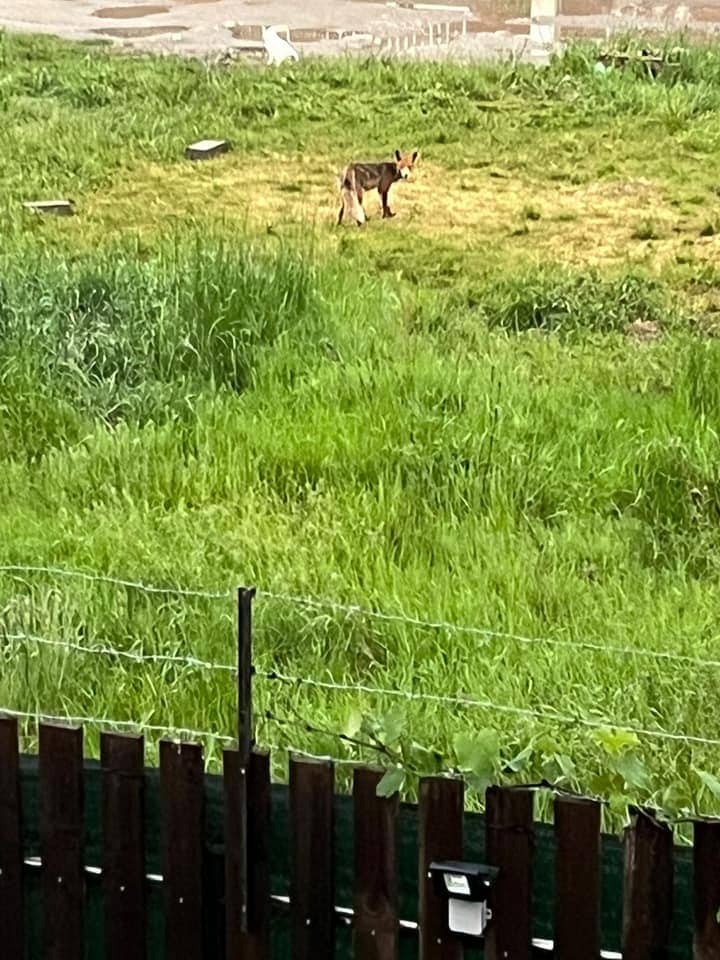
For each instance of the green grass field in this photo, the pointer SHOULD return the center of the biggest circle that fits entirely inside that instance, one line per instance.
(498, 410)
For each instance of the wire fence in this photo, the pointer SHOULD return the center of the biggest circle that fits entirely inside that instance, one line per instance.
(109, 651)
(486, 634)
(546, 715)
(543, 714)
(114, 581)
(455, 700)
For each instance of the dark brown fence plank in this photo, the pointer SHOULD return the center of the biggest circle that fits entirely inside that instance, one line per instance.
(312, 872)
(577, 879)
(648, 881)
(255, 944)
(234, 878)
(376, 878)
(441, 838)
(11, 856)
(245, 745)
(509, 825)
(122, 760)
(706, 869)
(181, 798)
(61, 841)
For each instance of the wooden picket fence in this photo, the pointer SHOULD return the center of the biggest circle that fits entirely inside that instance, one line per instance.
(314, 916)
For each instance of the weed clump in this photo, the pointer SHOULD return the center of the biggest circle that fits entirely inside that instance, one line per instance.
(566, 303)
(115, 337)
(646, 230)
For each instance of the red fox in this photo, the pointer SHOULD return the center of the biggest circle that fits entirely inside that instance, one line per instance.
(356, 178)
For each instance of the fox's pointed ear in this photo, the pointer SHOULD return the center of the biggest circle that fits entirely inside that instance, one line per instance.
(397, 156)
(416, 155)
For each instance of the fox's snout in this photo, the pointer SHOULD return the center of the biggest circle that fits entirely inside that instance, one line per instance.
(404, 164)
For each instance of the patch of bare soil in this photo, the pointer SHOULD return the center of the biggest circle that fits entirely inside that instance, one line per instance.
(645, 331)
(137, 33)
(130, 13)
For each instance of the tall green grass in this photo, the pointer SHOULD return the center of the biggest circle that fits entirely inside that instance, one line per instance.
(121, 337)
(209, 415)
(374, 419)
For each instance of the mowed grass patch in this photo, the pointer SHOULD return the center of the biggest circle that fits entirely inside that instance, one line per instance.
(467, 211)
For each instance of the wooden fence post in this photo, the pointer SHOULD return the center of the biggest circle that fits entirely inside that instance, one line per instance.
(312, 871)
(11, 852)
(245, 744)
(706, 863)
(648, 883)
(510, 841)
(61, 841)
(376, 876)
(577, 878)
(441, 838)
(123, 815)
(181, 799)
(255, 943)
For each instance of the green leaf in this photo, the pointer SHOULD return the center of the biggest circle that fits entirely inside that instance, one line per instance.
(711, 782)
(478, 753)
(603, 784)
(420, 759)
(546, 744)
(465, 751)
(676, 800)
(519, 762)
(479, 784)
(618, 804)
(632, 770)
(567, 766)
(369, 728)
(392, 726)
(558, 767)
(615, 741)
(353, 724)
(391, 782)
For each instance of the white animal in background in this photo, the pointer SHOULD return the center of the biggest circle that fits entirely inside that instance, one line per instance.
(278, 50)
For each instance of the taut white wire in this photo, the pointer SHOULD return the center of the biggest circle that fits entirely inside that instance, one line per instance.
(323, 757)
(108, 651)
(320, 603)
(485, 632)
(103, 578)
(446, 699)
(490, 705)
(156, 728)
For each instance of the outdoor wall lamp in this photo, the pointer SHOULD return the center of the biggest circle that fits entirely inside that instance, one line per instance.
(466, 886)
